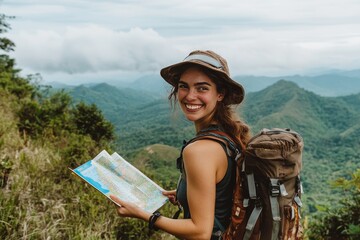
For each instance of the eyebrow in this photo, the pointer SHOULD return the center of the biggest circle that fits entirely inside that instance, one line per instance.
(197, 84)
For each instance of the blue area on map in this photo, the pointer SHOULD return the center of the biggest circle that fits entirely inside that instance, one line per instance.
(83, 167)
(93, 180)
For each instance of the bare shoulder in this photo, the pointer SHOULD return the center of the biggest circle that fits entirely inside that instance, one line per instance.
(204, 149)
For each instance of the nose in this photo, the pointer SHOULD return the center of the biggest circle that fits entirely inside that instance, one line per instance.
(191, 94)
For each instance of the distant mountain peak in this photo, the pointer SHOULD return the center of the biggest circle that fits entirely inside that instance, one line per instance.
(285, 83)
(281, 87)
(102, 86)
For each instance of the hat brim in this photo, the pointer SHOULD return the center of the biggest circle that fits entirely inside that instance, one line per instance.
(172, 73)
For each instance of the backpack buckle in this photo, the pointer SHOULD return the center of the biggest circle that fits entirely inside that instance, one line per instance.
(258, 203)
(217, 235)
(274, 189)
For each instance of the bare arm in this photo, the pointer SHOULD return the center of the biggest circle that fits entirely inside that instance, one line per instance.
(204, 166)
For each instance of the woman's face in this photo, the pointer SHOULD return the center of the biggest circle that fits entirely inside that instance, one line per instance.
(197, 95)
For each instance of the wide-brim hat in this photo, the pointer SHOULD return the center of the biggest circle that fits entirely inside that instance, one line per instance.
(213, 61)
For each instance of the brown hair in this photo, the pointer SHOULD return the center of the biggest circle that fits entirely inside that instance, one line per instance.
(224, 114)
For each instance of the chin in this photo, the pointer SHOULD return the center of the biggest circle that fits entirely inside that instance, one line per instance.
(192, 118)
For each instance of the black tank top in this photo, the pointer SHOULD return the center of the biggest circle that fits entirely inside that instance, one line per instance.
(224, 192)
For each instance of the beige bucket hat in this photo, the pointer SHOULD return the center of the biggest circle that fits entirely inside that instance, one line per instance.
(212, 61)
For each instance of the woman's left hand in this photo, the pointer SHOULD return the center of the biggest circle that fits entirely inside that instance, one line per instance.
(171, 196)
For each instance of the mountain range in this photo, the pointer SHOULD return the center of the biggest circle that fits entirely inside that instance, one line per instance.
(330, 126)
(336, 83)
(333, 83)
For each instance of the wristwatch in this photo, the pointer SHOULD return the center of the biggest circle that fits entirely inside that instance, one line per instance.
(153, 219)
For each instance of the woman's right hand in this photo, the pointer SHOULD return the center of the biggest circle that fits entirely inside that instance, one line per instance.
(127, 209)
(171, 196)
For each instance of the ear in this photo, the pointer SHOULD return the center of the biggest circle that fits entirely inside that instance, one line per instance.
(220, 97)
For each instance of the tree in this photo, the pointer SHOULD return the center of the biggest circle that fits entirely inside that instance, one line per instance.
(89, 120)
(5, 44)
(9, 75)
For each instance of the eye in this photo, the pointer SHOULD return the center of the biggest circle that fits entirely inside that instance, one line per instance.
(182, 85)
(202, 88)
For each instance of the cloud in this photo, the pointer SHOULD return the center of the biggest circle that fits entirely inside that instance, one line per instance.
(258, 37)
(92, 48)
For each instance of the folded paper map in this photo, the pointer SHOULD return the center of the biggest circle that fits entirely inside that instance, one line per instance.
(113, 175)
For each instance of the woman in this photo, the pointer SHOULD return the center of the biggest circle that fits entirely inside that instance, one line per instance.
(206, 94)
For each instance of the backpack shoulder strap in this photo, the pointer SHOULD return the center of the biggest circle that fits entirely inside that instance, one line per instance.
(231, 149)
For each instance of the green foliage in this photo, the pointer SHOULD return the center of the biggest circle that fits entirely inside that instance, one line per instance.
(9, 78)
(30, 115)
(53, 116)
(89, 120)
(47, 114)
(340, 222)
(10, 81)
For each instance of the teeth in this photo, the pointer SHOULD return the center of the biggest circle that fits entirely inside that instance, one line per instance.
(193, 107)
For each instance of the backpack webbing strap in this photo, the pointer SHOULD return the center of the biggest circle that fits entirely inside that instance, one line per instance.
(255, 214)
(298, 200)
(300, 190)
(221, 227)
(245, 202)
(218, 234)
(243, 176)
(275, 209)
(251, 185)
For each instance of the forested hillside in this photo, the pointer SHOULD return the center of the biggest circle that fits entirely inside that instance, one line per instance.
(140, 120)
(331, 122)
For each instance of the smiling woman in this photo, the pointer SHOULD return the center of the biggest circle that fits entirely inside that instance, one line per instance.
(207, 94)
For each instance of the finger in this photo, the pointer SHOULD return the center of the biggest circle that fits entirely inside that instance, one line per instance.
(166, 193)
(117, 200)
(171, 192)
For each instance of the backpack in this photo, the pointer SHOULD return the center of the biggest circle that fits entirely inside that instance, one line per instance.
(267, 192)
(266, 198)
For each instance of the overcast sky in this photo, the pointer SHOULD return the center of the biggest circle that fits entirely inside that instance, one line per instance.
(86, 40)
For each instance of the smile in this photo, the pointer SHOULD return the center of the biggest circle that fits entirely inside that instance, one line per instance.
(192, 107)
